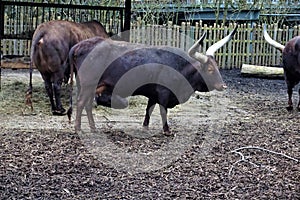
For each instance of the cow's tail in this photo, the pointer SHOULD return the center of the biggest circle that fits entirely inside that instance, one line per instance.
(72, 66)
(28, 93)
(30, 78)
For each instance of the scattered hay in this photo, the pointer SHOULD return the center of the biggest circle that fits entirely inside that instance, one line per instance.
(54, 163)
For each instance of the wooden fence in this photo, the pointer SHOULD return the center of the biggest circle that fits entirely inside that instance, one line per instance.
(247, 47)
(19, 19)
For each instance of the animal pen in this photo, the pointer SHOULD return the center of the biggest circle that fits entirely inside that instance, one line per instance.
(236, 144)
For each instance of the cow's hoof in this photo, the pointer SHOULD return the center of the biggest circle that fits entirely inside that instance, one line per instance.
(93, 130)
(146, 123)
(60, 112)
(79, 132)
(168, 133)
(289, 108)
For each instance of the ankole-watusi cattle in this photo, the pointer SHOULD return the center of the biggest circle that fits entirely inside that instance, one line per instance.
(112, 70)
(291, 64)
(51, 43)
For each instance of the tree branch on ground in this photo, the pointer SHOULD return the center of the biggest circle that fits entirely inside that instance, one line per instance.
(246, 158)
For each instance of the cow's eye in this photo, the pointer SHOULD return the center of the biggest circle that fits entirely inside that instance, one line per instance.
(210, 70)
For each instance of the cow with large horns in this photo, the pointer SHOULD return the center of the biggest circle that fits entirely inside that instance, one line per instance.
(51, 43)
(291, 64)
(165, 75)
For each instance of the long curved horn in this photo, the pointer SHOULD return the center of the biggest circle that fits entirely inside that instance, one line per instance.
(271, 41)
(212, 49)
(193, 50)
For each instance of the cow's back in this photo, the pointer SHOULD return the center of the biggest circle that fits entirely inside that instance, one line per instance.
(79, 52)
(95, 28)
(52, 41)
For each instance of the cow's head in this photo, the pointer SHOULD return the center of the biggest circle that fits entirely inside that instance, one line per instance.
(208, 66)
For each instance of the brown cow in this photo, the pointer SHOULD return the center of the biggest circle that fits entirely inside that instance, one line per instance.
(291, 64)
(51, 43)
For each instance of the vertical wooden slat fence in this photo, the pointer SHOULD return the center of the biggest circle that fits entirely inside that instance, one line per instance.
(20, 19)
(247, 47)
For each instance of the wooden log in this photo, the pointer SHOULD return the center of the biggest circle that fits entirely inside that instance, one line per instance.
(262, 71)
(16, 63)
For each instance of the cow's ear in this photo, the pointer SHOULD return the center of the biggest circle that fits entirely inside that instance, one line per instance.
(200, 57)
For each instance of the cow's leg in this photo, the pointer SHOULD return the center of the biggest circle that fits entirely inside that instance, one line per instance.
(57, 92)
(88, 109)
(80, 105)
(163, 99)
(84, 97)
(49, 90)
(89, 104)
(290, 93)
(298, 106)
(78, 85)
(163, 113)
(149, 110)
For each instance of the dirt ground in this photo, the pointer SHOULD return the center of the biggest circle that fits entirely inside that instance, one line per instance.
(237, 144)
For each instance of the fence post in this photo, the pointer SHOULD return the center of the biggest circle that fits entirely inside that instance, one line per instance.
(182, 36)
(126, 32)
(170, 39)
(1, 35)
